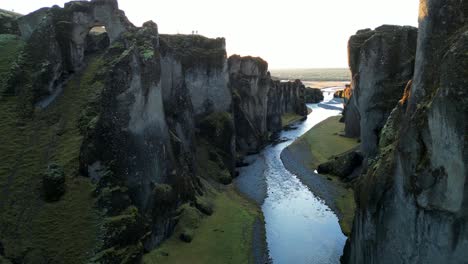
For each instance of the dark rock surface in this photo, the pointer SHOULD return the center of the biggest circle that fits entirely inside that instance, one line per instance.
(381, 63)
(250, 83)
(8, 22)
(341, 166)
(53, 183)
(259, 102)
(313, 95)
(412, 203)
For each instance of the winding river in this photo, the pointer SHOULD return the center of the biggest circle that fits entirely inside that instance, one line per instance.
(300, 228)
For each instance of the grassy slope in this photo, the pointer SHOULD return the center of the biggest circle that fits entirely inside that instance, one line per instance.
(324, 141)
(224, 237)
(289, 118)
(64, 231)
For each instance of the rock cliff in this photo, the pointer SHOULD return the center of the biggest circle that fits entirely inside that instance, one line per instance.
(313, 95)
(8, 22)
(381, 63)
(259, 102)
(412, 203)
(120, 128)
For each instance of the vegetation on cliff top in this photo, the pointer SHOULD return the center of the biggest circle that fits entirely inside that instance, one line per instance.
(32, 229)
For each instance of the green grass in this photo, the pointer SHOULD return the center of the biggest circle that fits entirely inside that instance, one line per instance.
(10, 45)
(224, 237)
(64, 231)
(289, 118)
(324, 142)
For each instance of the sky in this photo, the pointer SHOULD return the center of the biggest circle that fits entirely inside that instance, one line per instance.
(287, 34)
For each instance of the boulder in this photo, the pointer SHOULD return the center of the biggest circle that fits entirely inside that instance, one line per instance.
(313, 95)
(342, 165)
(53, 182)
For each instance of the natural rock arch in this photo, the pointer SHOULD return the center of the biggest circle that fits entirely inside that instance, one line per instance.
(77, 19)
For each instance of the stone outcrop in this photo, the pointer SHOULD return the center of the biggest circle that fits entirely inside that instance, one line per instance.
(381, 63)
(285, 97)
(56, 43)
(259, 102)
(412, 203)
(313, 95)
(342, 165)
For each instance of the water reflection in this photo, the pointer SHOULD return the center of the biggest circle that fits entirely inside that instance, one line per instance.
(300, 228)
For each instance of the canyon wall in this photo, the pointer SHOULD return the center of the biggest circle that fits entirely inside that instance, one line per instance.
(131, 121)
(412, 204)
(259, 102)
(381, 63)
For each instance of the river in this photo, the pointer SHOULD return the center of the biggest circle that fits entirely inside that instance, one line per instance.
(300, 228)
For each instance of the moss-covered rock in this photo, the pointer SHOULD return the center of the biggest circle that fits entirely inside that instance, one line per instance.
(186, 235)
(128, 255)
(204, 205)
(163, 194)
(313, 95)
(53, 182)
(342, 165)
(8, 22)
(123, 229)
(195, 50)
(218, 128)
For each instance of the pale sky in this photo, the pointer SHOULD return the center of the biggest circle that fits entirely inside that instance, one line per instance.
(287, 34)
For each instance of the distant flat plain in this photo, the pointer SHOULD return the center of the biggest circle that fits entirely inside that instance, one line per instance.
(316, 77)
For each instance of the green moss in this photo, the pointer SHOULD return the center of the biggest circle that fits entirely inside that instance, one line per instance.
(195, 50)
(147, 54)
(289, 118)
(346, 205)
(65, 231)
(208, 159)
(224, 237)
(10, 46)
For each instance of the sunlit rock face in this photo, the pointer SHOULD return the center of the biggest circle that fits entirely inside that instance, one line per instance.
(381, 63)
(413, 202)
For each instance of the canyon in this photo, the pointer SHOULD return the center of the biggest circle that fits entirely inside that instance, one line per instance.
(157, 118)
(119, 142)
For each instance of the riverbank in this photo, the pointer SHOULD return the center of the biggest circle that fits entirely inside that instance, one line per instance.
(290, 118)
(234, 233)
(317, 146)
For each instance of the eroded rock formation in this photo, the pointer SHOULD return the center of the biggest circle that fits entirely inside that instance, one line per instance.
(381, 63)
(259, 102)
(144, 116)
(313, 95)
(413, 202)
